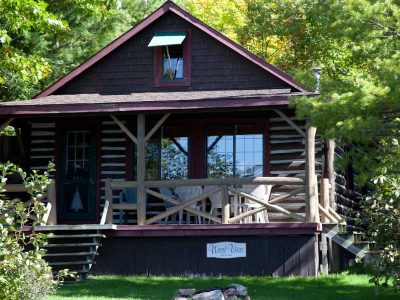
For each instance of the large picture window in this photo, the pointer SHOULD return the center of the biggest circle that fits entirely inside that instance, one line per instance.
(235, 151)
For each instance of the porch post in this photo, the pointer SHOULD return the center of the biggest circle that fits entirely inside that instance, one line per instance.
(331, 172)
(141, 169)
(311, 179)
(51, 198)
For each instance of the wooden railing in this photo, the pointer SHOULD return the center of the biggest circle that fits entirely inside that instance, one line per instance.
(228, 187)
(49, 196)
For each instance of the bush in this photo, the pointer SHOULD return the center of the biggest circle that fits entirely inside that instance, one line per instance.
(24, 274)
(382, 220)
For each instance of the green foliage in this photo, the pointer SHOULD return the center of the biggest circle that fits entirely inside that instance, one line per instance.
(381, 216)
(24, 274)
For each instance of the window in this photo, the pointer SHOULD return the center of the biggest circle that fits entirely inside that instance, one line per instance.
(167, 154)
(235, 151)
(172, 58)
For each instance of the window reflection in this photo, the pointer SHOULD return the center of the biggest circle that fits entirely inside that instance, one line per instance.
(167, 154)
(235, 151)
(78, 154)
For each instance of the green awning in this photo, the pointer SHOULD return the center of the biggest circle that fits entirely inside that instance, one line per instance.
(167, 39)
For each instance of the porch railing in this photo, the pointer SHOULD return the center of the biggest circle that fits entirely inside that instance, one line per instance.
(48, 197)
(228, 187)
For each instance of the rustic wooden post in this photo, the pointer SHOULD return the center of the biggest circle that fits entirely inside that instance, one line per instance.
(52, 199)
(141, 169)
(109, 198)
(225, 205)
(331, 172)
(324, 197)
(311, 195)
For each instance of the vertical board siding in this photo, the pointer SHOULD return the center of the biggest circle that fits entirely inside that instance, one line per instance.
(283, 255)
(287, 159)
(43, 144)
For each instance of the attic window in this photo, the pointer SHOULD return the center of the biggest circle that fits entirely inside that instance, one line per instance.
(171, 58)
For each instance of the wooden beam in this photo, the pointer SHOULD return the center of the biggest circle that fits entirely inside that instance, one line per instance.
(156, 127)
(267, 205)
(103, 219)
(109, 199)
(324, 197)
(52, 199)
(246, 214)
(124, 128)
(225, 205)
(181, 206)
(5, 124)
(290, 122)
(330, 165)
(225, 181)
(124, 206)
(327, 216)
(141, 169)
(189, 209)
(311, 197)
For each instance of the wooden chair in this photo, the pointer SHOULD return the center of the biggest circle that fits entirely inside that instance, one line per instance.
(187, 193)
(215, 199)
(262, 192)
(168, 192)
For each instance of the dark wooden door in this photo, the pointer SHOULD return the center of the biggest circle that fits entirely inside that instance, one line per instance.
(77, 176)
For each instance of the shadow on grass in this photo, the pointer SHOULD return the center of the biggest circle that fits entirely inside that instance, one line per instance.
(159, 288)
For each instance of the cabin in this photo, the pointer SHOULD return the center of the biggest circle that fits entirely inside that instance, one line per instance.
(177, 153)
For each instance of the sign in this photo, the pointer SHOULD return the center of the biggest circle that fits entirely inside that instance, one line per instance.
(226, 250)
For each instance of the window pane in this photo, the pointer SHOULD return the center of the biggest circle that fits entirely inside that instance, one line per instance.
(220, 151)
(172, 62)
(235, 150)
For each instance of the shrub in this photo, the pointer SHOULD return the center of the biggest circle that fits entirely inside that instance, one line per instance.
(24, 274)
(382, 220)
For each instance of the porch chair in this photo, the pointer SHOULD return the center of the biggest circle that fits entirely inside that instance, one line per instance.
(185, 194)
(216, 200)
(126, 196)
(263, 192)
(168, 192)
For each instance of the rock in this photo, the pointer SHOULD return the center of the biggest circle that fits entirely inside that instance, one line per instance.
(210, 295)
(230, 292)
(182, 294)
(240, 289)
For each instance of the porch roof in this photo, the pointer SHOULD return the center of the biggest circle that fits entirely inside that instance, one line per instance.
(152, 101)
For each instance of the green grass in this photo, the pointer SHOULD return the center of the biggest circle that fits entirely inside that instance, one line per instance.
(336, 287)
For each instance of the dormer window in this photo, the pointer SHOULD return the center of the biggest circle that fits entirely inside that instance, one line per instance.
(171, 58)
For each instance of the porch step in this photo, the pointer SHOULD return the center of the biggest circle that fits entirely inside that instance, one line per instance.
(351, 241)
(72, 245)
(68, 263)
(69, 236)
(70, 254)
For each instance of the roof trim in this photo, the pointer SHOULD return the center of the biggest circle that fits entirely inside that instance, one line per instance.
(204, 104)
(170, 6)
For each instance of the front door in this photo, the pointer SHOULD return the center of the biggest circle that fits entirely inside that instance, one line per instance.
(77, 176)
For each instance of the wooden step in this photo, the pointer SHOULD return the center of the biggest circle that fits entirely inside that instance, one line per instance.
(70, 254)
(68, 263)
(72, 236)
(71, 245)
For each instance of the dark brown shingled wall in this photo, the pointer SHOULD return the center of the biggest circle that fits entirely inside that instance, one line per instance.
(130, 68)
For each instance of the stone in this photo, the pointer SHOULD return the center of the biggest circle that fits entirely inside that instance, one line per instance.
(240, 289)
(230, 292)
(181, 294)
(210, 295)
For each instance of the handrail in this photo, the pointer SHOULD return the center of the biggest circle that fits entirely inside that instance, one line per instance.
(211, 181)
(223, 185)
(50, 217)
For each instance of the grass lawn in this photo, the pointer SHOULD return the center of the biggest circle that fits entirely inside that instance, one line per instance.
(335, 287)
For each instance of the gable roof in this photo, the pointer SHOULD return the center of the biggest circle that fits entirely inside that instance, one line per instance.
(172, 7)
